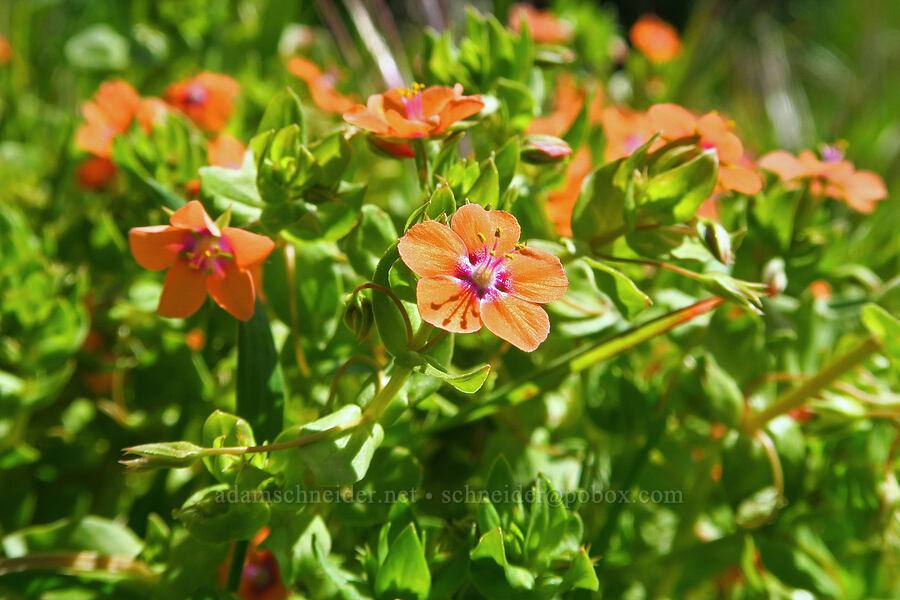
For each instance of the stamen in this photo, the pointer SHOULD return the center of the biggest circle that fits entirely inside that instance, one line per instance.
(481, 237)
(499, 231)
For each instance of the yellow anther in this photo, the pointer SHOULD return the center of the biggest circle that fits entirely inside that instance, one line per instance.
(481, 237)
(508, 255)
(493, 253)
(520, 245)
(499, 231)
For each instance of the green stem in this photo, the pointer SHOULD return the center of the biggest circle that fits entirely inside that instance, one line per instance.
(236, 569)
(423, 167)
(381, 400)
(394, 299)
(652, 263)
(802, 393)
(576, 361)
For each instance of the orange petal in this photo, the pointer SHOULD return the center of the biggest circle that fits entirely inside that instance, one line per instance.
(739, 179)
(95, 172)
(305, 69)
(672, 120)
(519, 322)
(494, 226)
(448, 303)
(226, 151)
(784, 164)
(863, 189)
(363, 118)
(183, 292)
(249, 248)
(435, 98)
(457, 110)
(537, 276)
(193, 216)
(430, 249)
(156, 247)
(234, 292)
(406, 128)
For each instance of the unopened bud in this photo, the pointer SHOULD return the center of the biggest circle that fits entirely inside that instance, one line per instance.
(171, 455)
(775, 277)
(716, 240)
(541, 149)
(358, 316)
(390, 149)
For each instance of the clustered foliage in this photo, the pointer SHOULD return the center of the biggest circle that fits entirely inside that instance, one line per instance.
(518, 325)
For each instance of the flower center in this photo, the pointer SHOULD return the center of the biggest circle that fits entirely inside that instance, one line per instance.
(196, 94)
(412, 101)
(205, 252)
(487, 270)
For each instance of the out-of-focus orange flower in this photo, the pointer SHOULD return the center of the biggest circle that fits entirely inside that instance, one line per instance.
(820, 289)
(626, 130)
(207, 99)
(108, 114)
(226, 151)
(150, 111)
(195, 339)
(5, 50)
(201, 258)
(95, 172)
(403, 114)
(475, 273)
(544, 26)
(833, 177)
(735, 172)
(560, 203)
(655, 38)
(568, 99)
(321, 86)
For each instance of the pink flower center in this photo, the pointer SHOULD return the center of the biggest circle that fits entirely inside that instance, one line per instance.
(485, 271)
(832, 154)
(260, 575)
(412, 101)
(206, 252)
(196, 94)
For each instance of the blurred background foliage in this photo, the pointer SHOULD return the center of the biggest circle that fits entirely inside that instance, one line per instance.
(87, 368)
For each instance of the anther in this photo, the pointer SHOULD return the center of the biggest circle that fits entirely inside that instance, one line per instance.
(499, 231)
(481, 237)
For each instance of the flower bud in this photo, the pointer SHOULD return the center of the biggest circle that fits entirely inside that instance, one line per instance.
(540, 149)
(716, 240)
(172, 455)
(358, 315)
(775, 277)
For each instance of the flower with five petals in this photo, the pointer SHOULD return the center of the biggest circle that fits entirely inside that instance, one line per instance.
(201, 258)
(475, 273)
(207, 99)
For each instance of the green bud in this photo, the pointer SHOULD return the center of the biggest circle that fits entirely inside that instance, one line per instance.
(358, 315)
(541, 149)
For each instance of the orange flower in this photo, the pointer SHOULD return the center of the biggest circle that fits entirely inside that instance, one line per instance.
(403, 114)
(95, 172)
(261, 579)
(321, 86)
(207, 99)
(226, 151)
(626, 131)
(5, 50)
(201, 258)
(820, 289)
(545, 28)
(108, 114)
(568, 100)
(833, 177)
(561, 202)
(673, 122)
(655, 38)
(475, 273)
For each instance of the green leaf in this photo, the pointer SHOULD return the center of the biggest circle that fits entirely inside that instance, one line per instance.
(388, 319)
(260, 387)
(374, 234)
(796, 568)
(331, 215)
(758, 509)
(486, 189)
(506, 160)
(89, 533)
(285, 109)
(332, 156)
(492, 574)
(221, 514)
(468, 383)
(581, 575)
(629, 300)
(886, 328)
(441, 202)
(404, 573)
(234, 188)
(598, 211)
(225, 430)
(517, 105)
(724, 396)
(674, 196)
(98, 48)
(340, 458)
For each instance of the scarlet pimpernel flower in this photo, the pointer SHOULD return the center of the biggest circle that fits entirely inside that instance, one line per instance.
(561, 202)
(226, 151)
(475, 273)
(674, 122)
(656, 39)
(321, 86)
(5, 50)
(544, 26)
(626, 130)
(109, 113)
(201, 258)
(831, 176)
(207, 99)
(417, 112)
